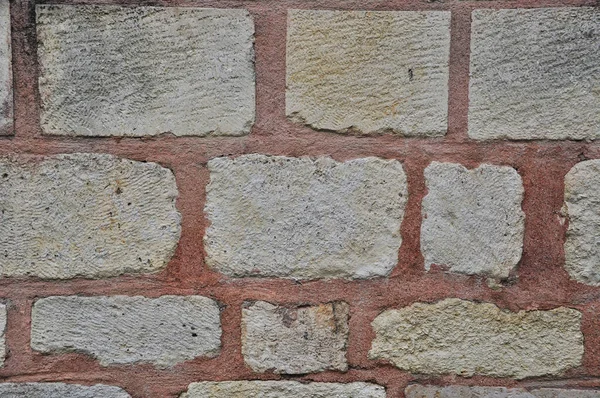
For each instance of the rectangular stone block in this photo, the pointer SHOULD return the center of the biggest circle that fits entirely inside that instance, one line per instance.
(465, 338)
(3, 317)
(6, 94)
(163, 331)
(295, 340)
(369, 72)
(535, 74)
(137, 71)
(85, 215)
(472, 219)
(420, 391)
(274, 216)
(60, 390)
(268, 389)
(582, 209)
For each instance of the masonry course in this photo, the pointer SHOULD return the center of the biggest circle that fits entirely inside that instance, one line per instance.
(6, 93)
(138, 71)
(420, 391)
(128, 330)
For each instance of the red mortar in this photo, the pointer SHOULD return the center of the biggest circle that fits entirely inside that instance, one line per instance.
(539, 282)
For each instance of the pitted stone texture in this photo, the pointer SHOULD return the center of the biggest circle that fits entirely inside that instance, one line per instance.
(369, 72)
(295, 341)
(465, 338)
(2, 334)
(274, 216)
(59, 390)
(419, 391)
(87, 215)
(135, 71)
(282, 389)
(126, 330)
(535, 74)
(472, 219)
(582, 207)
(6, 96)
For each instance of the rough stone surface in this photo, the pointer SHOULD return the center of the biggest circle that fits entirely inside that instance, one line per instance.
(87, 215)
(281, 389)
(419, 391)
(59, 390)
(6, 96)
(295, 341)
(303, 218)
(126, 330)
(582, 207)
(472, 219)
(369, 71)
(135, 71)
(535, 73)
(465, 338)
(2, 334)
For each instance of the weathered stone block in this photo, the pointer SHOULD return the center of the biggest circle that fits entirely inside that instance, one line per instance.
(59, 390)
(276, 389)
(87, 215)
(419, 391)
(125, 330)
(369, 71)
(295, 340)
(535, 73)
(2, 334)
(582, 207)
(135, 71)
(6, 94)
(465, 338)
(274, 216)
(472, 219)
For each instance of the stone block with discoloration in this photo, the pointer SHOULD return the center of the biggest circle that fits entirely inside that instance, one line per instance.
(6, 93)
(274, 216)
(535, 73)
(582, 208)
(465, 338)
(472, 219)
(280, 389)
(295, 340)
(60, 390)
(420, 391)
(163, 331)
(85, 215)
(369, 72)
(2, 334)
(138, 71)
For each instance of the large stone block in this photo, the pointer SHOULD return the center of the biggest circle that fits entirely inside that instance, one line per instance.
(369, 72)
(295, 340)
(472, 219)
(59, 390)
(582, 207)
(126, 330)
(419, 391)
(535, 73)
(135, 71)
(280, 389)
(6, 94)
(87, 215)
(274, 216)
(466, 338)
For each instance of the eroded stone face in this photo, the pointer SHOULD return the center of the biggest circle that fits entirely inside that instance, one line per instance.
(369, 71)
(465, 338)
(126, 330)
(6, 95)
(60, 390)
(295, 340)
(535, 73)
(420, 391)
(280, 389)
(85, 215)
(582, 207)
(136, 71)
(275, 216)
(472, 219)
(2, 334)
